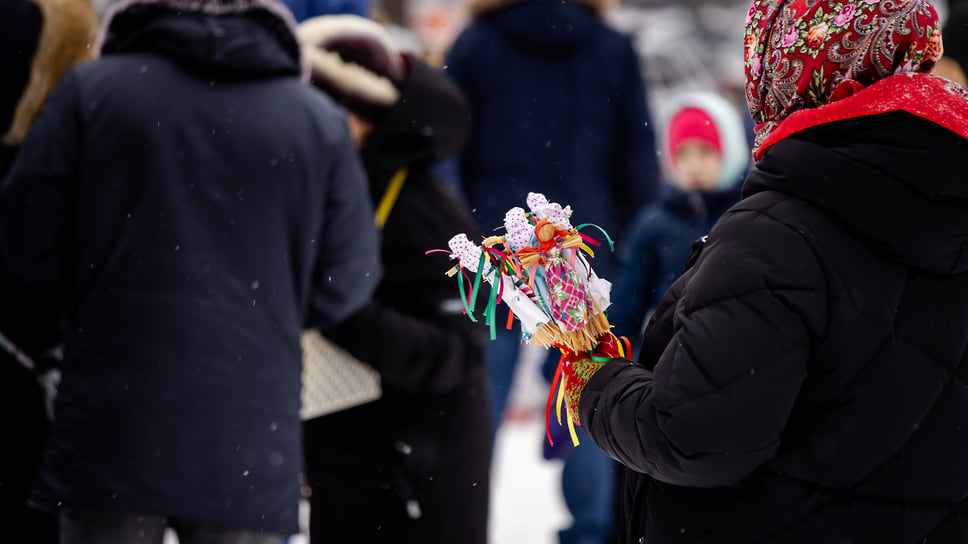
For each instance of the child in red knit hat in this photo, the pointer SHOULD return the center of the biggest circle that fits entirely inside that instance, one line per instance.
(695, 149)
(706, 155)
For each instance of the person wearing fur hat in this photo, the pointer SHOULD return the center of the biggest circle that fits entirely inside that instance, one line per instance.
(39, 41)
(804, 380)
(706, 158)
(190, 205)
(413, 465)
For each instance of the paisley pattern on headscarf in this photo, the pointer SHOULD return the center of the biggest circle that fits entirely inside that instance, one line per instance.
(803, 54)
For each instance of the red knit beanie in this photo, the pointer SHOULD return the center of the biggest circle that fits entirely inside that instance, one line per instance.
(692, 122)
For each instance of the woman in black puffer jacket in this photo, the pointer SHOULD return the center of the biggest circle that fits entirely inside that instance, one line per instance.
(413, 465)
(805, 380)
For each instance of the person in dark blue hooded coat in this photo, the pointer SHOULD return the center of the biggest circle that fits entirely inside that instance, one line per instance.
(559, 108)
(192, 206)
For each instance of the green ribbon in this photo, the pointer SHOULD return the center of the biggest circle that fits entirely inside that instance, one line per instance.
(477, 279)
(611, 244)
(463, 297)
(491, 311)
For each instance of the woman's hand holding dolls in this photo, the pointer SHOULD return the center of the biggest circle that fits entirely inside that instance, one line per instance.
(578, 368)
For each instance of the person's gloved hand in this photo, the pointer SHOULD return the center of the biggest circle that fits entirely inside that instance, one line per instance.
(578, 368)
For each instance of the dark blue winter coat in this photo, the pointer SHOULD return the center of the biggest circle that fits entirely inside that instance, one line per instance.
(659, 243)
(559, 108)
(194, 205)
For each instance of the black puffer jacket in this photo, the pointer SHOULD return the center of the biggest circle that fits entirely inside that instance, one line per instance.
(412, 466)
(195, 205)
(805, 381)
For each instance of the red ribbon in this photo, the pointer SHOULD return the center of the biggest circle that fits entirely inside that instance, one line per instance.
(551, 398)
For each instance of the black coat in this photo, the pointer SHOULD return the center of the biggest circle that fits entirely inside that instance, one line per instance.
(659, 242)
(23, 319)
(426, 442)
(22, 415)
(805, 381)
(193, 205)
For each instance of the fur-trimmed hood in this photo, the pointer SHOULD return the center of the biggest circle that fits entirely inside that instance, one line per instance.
(229, 37)
(66, 38)
(354, 61)
(477, 8)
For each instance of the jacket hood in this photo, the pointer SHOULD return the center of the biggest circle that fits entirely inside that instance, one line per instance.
(429, 123)
(477, 8)
(545, 25)
(225, 37)
(56, 34)
(894, 180)
(729, 126)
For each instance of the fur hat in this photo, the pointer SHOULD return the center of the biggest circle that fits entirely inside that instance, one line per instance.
(355, 62)
(66, 38)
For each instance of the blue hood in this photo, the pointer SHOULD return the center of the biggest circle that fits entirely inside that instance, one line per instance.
(545, 25)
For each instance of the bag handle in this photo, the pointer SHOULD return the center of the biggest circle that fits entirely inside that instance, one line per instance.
(389, 198)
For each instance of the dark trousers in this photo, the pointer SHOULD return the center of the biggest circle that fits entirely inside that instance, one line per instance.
(24, 435)
(100, 527)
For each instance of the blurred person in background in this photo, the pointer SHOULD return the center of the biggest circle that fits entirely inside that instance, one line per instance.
(39, 41)
(305, 9)
(413, 465)
(804, 380)
(560, 108)
(191, 205)
(706, 158)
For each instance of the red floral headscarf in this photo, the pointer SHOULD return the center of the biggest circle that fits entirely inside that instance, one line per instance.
(803, 54)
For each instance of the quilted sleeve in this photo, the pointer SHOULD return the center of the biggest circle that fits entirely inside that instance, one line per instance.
(715, 406)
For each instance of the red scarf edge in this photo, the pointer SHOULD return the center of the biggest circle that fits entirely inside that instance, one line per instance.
(935, 103)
